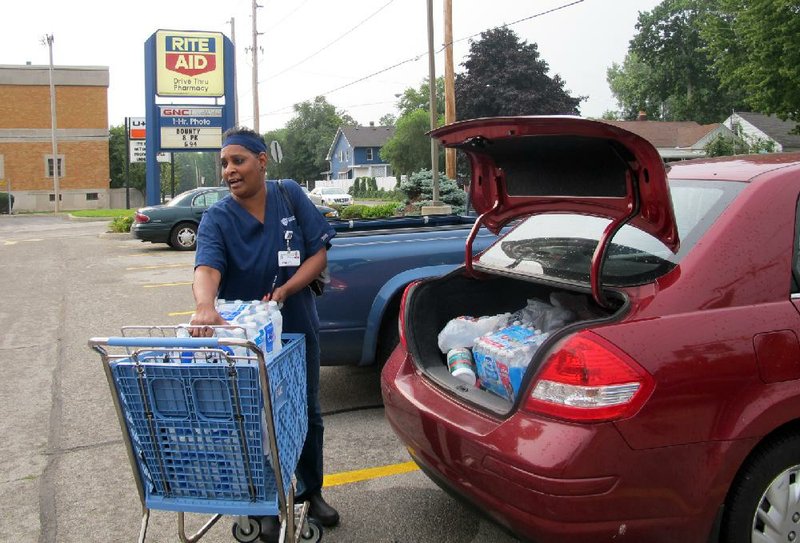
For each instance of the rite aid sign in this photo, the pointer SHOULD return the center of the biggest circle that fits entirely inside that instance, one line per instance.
(189, 63)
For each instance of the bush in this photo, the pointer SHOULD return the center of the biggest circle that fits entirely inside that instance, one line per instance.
(122, 224)
(360, 211)
(4, 202)
(419, 188)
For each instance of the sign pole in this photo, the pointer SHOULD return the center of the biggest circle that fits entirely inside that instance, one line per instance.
(127, 164)
(172, 174)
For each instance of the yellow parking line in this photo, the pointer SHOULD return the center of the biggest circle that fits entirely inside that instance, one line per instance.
(159, 267)
(158, 285)
(179, 313)
(347, 477)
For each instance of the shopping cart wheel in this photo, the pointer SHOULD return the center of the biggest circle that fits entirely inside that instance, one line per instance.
(314, 532)
(246, 534)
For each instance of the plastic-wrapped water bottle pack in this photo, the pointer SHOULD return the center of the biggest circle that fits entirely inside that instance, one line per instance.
(493, 352)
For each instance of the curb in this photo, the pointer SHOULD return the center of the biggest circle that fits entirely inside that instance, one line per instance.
(88, 219)
(116, 235)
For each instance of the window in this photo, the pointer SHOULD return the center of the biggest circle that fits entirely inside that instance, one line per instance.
(49, 165)
(92, 196)
(369, 153)
(53, 197)
(341, 156)
(560, 245)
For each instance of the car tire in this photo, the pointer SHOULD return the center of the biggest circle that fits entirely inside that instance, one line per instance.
(184, 237)
(767, 489)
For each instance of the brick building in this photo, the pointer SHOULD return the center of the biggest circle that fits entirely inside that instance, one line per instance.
(26, 152)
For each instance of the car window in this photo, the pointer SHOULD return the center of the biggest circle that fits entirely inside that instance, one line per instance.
(207, 198)
(561, 245)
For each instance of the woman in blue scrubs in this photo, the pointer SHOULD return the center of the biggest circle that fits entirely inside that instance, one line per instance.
(254, 245)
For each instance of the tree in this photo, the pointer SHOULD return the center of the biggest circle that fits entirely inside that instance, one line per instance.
(669, 72)
(414, 99)
(506, 76)
(387, 120)
(409, 150)
(630, 84)
(117, 158)
(276, 170)
(755, 45)
(308, 138)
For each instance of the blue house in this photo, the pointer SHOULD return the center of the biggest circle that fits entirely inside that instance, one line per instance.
(356, 152)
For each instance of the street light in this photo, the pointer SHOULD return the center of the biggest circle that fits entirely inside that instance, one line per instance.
(48, 40)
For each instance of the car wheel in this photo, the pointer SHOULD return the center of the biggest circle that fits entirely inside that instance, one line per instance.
(184, 237)
(764, 502)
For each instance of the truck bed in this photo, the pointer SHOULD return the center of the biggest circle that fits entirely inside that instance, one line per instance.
(371, 261)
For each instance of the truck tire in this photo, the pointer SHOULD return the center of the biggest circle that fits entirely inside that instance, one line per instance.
(389, 335)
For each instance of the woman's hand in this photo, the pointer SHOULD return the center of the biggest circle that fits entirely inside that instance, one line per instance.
(203, 318)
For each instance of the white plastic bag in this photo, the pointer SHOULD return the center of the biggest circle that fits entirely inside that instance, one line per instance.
(462, 331)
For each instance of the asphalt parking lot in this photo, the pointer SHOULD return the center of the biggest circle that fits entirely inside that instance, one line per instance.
(66, 477)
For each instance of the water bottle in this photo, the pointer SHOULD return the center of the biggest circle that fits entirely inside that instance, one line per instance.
(277, 324)
(262, 330)
(229, 310)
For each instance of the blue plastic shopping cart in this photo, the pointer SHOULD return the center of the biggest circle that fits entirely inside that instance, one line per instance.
(211, 425)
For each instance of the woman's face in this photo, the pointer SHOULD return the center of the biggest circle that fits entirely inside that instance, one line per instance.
(243, 171)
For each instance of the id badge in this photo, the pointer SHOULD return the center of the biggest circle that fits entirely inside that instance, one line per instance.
(288, 258)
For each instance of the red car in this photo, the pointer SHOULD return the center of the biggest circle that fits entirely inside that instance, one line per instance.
(665, 407)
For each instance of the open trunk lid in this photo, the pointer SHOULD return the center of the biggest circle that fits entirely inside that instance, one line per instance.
(530, 165)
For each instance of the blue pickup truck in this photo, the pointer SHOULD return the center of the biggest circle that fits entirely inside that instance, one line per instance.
(371, 262)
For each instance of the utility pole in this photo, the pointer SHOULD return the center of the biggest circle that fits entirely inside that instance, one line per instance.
(432, 92)
(48, 39)
(255, 69)
(232, 21)
(449, 86)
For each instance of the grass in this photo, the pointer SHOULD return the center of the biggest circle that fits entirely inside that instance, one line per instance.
(104, 213)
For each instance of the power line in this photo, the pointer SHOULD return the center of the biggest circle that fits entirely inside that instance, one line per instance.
(417, 57)
(312, 55)
(276, 25)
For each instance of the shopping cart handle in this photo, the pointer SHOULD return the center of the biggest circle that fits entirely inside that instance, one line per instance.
(168, 342)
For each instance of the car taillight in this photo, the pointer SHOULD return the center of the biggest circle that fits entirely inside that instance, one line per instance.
(140, 218)
(587, 379)
(401, 320)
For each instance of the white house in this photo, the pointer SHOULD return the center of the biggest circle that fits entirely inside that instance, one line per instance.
(757, 127)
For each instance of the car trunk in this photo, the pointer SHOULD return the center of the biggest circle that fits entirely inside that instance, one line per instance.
(437, 301)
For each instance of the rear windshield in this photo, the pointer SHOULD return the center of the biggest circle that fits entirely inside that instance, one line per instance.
(560, 245)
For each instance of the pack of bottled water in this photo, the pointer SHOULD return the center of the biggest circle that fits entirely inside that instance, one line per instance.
(258, 321)
(255, 320)
(501, 357)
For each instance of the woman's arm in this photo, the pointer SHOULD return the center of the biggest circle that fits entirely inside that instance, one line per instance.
(307, 272)
(204, 289)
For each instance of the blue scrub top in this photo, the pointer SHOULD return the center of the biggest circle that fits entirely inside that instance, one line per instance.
(245, 251)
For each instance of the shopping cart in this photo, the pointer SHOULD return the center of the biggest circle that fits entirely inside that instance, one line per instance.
(211, 425)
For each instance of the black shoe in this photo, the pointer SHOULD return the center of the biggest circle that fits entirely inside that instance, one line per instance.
(321, 511)
(270, 529)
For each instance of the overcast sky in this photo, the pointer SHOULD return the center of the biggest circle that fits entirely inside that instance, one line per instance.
(357, 53)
